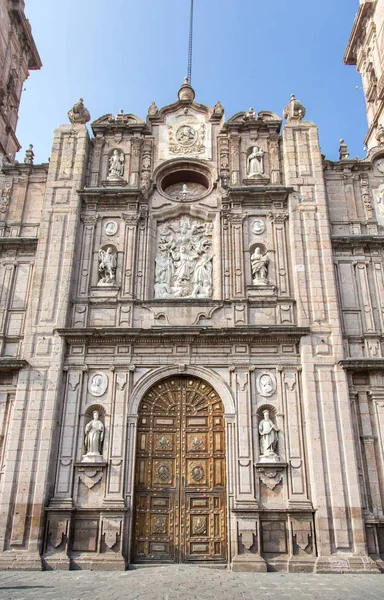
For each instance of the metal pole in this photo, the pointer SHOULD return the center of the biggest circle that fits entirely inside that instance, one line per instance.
(190, 45)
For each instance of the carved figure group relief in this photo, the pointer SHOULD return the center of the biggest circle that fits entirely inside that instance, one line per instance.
(268, 434)
(259, 267)
(255, 162)
(187, 139)
(107, 266)
(93, 438)
(183, 264)
(116, 166)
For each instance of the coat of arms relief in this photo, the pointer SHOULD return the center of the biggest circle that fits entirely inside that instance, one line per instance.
(186, 139)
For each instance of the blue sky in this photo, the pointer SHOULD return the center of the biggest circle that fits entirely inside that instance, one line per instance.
(125, 53)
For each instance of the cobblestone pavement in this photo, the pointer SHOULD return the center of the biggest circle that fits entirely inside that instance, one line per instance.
(186, 583)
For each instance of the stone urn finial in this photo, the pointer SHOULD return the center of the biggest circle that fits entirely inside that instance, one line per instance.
(294, 111)
(186, 92)
(79, 114)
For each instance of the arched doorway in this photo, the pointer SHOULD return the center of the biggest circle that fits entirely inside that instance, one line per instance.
(180, 491)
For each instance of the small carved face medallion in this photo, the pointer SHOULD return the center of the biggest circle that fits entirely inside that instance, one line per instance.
(186, 135)
(380, 165)
(111, 227)
(98, 384)
(266, 384)
(258, 226)
(197, 473)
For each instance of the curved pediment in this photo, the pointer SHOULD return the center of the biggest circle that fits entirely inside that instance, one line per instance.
(120, 120)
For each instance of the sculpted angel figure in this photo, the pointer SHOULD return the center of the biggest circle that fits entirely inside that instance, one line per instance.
(94, 435)
(163, 273)
(116, 166)
(202, 276)
(107, 266)
(268, 436)
(259, 264)
(255, 162)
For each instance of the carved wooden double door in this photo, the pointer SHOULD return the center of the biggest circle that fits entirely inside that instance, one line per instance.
(180, 496)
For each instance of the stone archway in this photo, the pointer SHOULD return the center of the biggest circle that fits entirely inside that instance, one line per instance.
(180, 474)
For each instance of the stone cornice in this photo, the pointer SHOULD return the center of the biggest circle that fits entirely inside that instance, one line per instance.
(22, 22)
(363, 364)
(358, 30)
(12, 364)
(352, 165)
(189, 334)
(18, 241)
(358, 239)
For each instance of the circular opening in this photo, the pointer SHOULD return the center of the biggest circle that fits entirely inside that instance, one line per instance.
(185, 184)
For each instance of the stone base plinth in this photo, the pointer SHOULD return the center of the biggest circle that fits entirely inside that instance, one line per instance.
(301, 564)
(56, 562)
(99, 563)
(351, 564)
(91, 459)
(20, 561)
(249, 562)
(113, 183)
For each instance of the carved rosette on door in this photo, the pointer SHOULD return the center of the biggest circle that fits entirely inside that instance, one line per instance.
(180, 494)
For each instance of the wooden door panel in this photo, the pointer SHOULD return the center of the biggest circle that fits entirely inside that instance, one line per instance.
(180, 474)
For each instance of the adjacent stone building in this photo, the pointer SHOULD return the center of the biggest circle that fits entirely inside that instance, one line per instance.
(18, 56)
(191, 364)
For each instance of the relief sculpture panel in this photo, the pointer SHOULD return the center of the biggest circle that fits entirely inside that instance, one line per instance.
(183, 264)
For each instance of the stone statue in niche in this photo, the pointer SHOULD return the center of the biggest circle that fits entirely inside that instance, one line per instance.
(93, 439)
(107, 266)
(268, 433)
(259, 266)
(183, 265)
(116, 166)
(255, 162)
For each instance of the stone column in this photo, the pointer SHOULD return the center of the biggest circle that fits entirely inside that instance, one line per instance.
(31, 455)
(332, 461)
(131, 222)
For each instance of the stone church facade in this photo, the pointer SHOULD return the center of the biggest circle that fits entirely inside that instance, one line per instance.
(191, 348)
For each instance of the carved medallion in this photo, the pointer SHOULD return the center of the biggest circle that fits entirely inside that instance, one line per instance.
(163, 472)
(111, 227)
(197, 444)
(159, 525)
(380, 165)
(98, 384)
(258, 226)
(266, 384)
(197, 473)
(186, 135)
(199, 526)
(187, 139)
